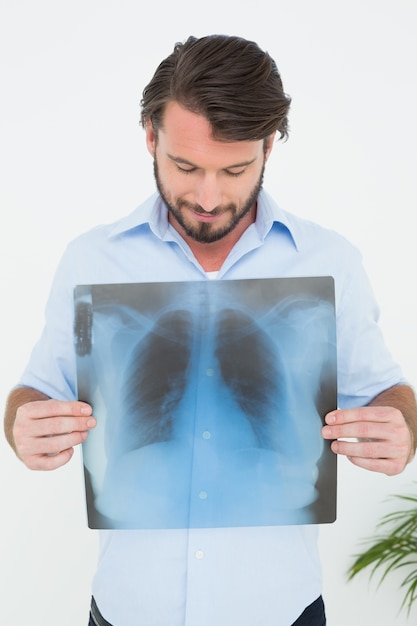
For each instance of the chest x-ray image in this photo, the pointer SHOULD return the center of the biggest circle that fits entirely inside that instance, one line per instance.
(209, 398)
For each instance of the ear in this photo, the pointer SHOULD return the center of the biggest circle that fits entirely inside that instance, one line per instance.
(269, 145)
(150, 137)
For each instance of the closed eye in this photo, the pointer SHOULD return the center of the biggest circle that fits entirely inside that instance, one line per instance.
(186, 170)
(235, 174)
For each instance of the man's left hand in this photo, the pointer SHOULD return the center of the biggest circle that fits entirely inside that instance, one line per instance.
(378, 437)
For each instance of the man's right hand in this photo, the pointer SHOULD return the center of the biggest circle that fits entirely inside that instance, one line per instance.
(45, 431)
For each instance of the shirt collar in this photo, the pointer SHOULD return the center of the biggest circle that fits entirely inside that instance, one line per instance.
(150, 213)
(269, 215)
(153, 213)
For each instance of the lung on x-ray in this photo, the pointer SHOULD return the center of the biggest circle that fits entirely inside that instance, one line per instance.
(210, 397)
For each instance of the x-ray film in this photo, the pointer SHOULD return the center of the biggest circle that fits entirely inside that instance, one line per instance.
(209, 397)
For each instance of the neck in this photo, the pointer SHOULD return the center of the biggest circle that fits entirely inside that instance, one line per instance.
(211, 256)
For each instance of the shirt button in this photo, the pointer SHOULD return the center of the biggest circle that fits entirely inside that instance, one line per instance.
(199, 554)
(206, 434)
(202, 495)
(209, 372)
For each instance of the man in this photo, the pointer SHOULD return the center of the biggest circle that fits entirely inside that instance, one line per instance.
(211, 113)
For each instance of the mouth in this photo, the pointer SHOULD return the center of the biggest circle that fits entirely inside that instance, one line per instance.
(206, 217)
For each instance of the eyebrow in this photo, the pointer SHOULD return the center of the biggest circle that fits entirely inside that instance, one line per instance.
(228, 167)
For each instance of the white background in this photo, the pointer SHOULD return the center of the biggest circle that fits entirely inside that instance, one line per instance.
(72, 155)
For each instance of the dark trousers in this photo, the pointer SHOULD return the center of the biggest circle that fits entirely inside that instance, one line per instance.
(313, 615)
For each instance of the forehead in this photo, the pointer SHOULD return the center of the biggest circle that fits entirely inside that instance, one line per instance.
(187, 135)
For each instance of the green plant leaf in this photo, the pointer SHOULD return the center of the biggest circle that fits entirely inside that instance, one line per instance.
(393, 548)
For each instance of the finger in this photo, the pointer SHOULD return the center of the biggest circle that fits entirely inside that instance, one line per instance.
(360, 430)
(368, 449)
(390, 467)
(37, 446)
(46, 463)
(52, 426)
(34, 436)
(378, 414)
(395, 435)
(375, 456)
(51, 408)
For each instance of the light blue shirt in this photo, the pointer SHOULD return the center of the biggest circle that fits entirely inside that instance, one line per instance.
(248, 576)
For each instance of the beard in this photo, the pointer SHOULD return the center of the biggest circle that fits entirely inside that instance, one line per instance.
(204, 232)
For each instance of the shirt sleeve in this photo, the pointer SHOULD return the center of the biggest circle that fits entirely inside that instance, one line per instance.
(51, 368)
(365, 364)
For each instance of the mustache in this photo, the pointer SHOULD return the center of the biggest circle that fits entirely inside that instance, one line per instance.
(196, 208)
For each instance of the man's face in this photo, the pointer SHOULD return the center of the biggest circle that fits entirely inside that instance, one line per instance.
(210, 187)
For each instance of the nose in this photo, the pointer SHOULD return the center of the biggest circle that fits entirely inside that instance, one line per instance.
(208, 194)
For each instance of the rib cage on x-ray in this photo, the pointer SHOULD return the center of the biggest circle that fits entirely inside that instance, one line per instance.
(162, 365)
(210, 410)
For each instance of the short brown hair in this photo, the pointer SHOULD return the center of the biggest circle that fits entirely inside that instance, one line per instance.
(229, 80)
